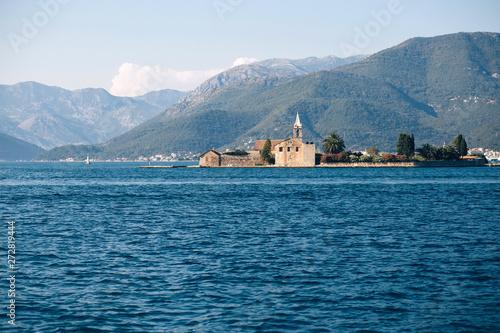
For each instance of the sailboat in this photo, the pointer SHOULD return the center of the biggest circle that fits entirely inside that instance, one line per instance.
(88, 159)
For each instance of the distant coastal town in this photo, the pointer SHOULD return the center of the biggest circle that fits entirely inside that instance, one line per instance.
(490, 155)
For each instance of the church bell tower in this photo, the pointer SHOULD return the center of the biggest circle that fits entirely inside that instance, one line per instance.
(297, 129)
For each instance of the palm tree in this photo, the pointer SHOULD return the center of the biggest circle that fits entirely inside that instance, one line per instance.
(333, 144)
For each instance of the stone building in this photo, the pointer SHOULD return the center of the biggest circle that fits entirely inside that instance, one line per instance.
(290, 152)
(294, 153)
(210, 158)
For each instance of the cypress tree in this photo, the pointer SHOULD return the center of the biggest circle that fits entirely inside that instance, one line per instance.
(265, 154)
(405, 145)
(460, 145)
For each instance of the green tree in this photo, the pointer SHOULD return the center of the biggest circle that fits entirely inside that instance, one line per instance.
(427, 151)
(460, 145)
(406, 144)
(265, 154)
(412, 145)
(353, 158)
(333, 144)
(447, 153)
(373, 151)
(389, 157)
(366, 158)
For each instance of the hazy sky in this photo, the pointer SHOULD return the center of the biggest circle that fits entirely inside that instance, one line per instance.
(130, 47)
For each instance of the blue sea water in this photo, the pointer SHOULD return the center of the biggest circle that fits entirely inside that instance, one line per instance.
(110, 247)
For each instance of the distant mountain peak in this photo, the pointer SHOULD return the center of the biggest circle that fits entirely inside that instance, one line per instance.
(52, 116)
(275, 67)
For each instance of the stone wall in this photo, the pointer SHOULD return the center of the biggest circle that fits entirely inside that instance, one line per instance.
(367, 165)
(426, 164)
(309, 154)
(250, 160)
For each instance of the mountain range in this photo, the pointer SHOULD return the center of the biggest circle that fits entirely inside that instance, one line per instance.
(52, 116)
(270, 68)
(433, 87)
(13, 149)
(276, 67)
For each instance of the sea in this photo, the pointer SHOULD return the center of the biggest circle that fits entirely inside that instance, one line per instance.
(111, 247)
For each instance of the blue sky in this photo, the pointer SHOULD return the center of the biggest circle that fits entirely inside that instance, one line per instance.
(117, 45)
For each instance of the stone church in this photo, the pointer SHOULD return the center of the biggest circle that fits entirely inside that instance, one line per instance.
(290, 152)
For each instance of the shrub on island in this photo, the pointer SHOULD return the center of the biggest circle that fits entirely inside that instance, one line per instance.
(331, 158)
(366, 159)
(236, 152)
(394, 158)
(353, 158)
(417, 158)
(389, 157)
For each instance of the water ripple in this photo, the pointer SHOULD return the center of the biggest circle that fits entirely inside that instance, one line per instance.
(117, 248)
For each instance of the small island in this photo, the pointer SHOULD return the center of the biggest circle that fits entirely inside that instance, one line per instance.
(289, 152)
(293, 152)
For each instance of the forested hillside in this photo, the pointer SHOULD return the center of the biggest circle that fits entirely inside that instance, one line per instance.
(433, 87)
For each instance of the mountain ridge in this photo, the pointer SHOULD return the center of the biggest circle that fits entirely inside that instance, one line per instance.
(13, 149)
(51, 116)
(427, 86)
(272, 68)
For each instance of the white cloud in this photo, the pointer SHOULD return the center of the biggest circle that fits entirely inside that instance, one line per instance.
(135, 80)
(243, 61)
